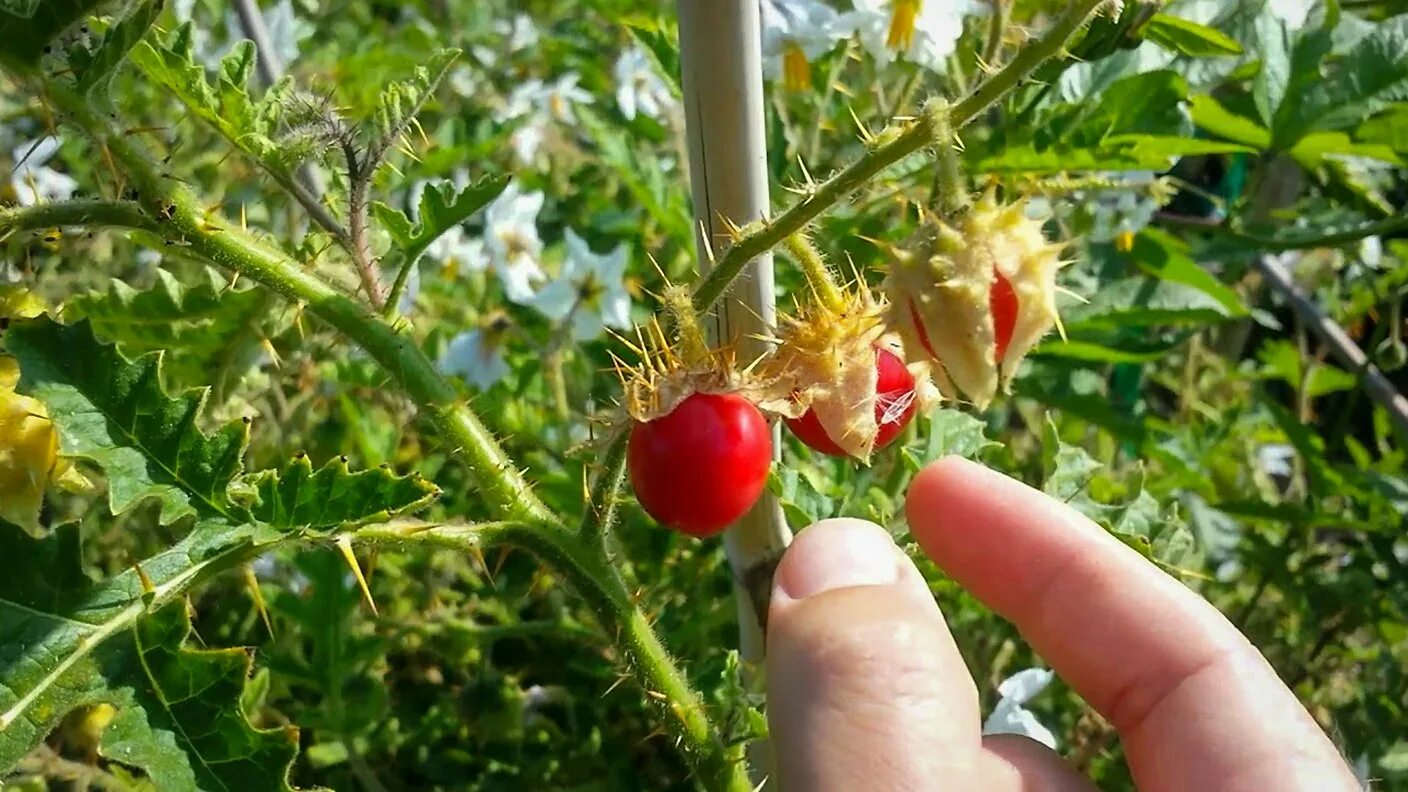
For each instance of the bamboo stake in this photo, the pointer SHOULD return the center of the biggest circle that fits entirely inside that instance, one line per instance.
(721, 61)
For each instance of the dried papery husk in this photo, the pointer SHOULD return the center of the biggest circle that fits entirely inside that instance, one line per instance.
(940, 293)
(825, 361)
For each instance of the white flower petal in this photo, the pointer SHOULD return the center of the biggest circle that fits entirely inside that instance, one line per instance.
(518, 277)
(1009, 718)
(1023, 685)
(556, 299)
(587, 325)
(470, 355)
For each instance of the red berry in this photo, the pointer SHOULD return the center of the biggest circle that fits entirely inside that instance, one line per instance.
(701, 467)
(894, 407)
(1002, 302)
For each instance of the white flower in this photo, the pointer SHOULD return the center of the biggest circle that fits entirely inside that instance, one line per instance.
(639, 88)
(1010, 717)
(924, 31)
(477, 355)
(522, 100)
(796, 32)
(1125, 210)
(1228, 571)
(564, 94)
(521, 32)
(465, 82)
(34, 182)
(590, 290)
(1274, 459)
(509, 37)
(511, 236)
(528, 139)
(458, 252)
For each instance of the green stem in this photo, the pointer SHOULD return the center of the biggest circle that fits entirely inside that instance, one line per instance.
(819, 277)
(600, 512)
(398, 287)
(953, 198)
(997, 25)
(889, 147)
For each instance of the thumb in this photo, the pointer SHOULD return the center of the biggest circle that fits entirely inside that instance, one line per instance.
(866, 687)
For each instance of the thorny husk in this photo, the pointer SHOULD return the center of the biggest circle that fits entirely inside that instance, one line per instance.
(826, 362)
(674, 366)
(940, 292)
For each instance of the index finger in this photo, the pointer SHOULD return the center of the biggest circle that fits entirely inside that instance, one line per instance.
(1195, 703)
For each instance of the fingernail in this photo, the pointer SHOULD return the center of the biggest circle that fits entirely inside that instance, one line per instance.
(837, 554)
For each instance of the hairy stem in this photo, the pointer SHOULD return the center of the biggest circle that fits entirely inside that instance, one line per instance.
(819, 277)
(600, 512)
(359, 175)
(888, 148)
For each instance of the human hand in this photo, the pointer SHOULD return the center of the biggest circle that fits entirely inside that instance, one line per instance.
(867, 690)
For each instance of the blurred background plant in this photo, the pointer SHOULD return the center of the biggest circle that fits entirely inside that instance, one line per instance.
(1193, 405)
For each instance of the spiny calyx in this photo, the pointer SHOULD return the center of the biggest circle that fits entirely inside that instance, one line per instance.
(975, 293)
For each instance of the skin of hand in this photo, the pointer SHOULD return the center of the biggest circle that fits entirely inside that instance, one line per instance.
(867, 689)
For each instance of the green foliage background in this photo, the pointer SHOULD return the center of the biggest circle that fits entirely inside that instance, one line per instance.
(1187, 408)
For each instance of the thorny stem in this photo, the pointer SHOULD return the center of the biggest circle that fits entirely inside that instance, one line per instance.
(398, 287)
(360, 178)
(954, 198)
(997, 25)
(886, 149)
(169, 208)
(603, 499)
(819, 277)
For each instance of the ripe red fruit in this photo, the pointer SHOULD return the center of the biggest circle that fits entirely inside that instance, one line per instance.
(895, 401)
(1002, 303)
(702, 466)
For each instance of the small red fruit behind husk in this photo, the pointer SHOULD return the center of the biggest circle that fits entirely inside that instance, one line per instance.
(975, 294)
(824, 376)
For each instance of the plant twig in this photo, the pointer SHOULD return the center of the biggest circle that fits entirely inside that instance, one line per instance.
(307, 188)
(887, 148)
(359, 178)
(1378, 386)
(997, 26)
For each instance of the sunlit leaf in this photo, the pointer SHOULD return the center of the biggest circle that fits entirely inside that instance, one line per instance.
(1189, 38)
